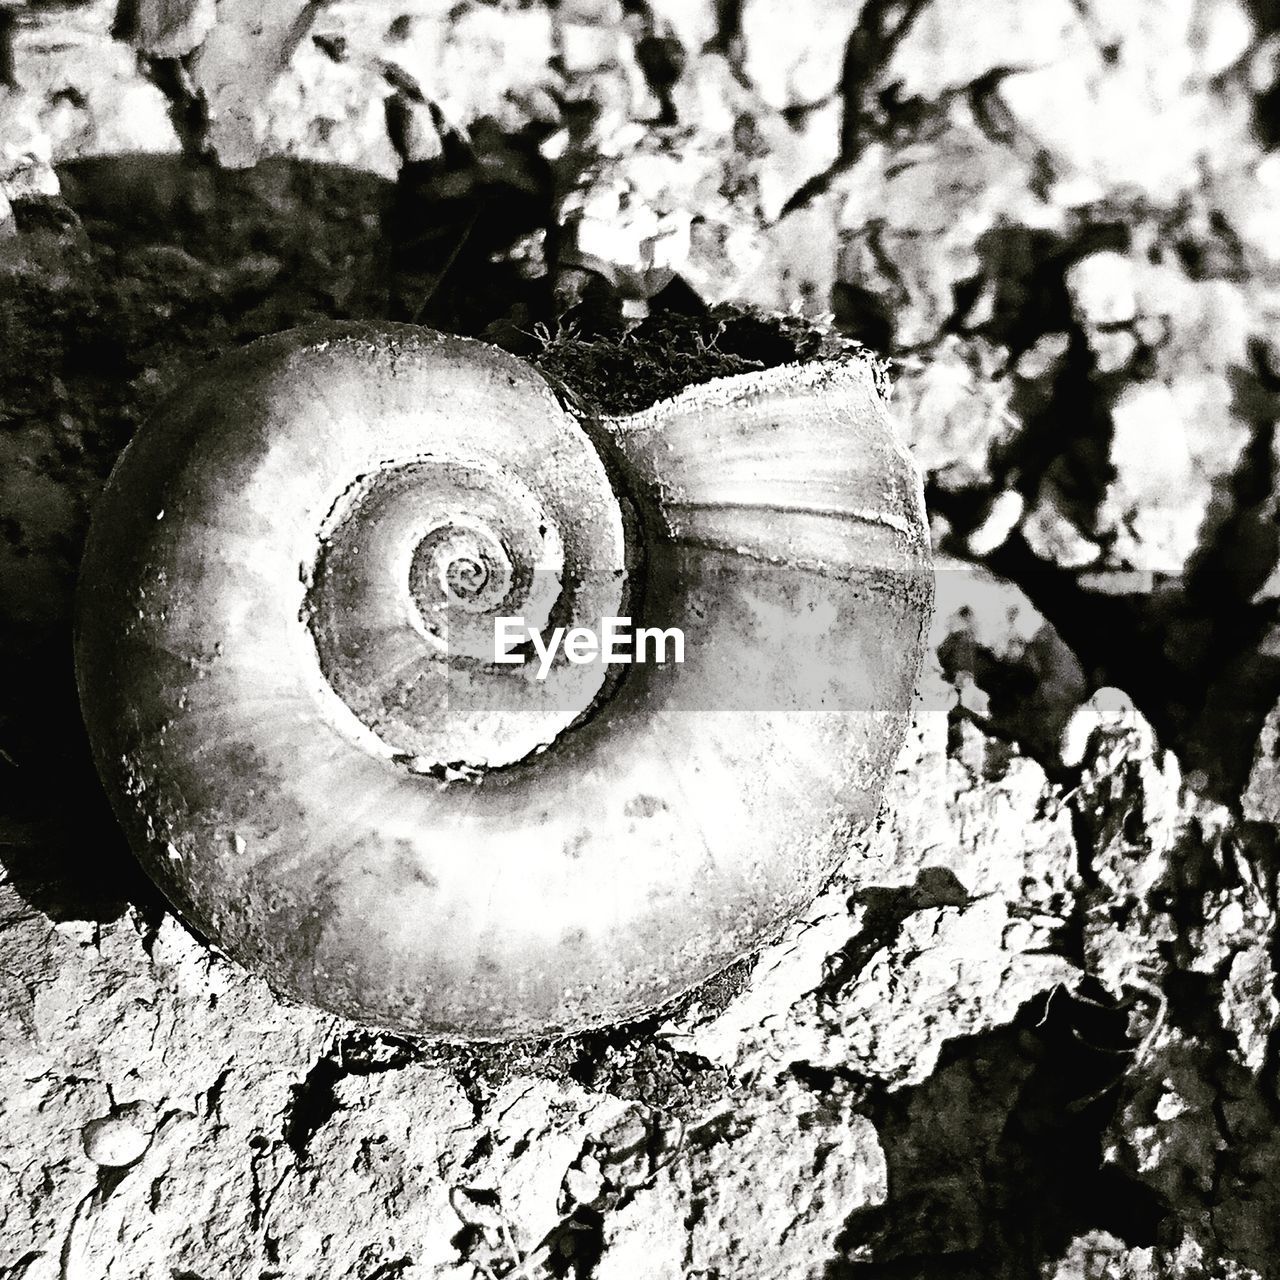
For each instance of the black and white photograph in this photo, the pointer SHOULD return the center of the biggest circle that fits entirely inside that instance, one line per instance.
(639, 640)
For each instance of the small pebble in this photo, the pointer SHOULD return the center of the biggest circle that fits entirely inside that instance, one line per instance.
(121, 1137)
(1113, 349)
(1053, 537)
(584, 1182)
(1101, 289)
(1044, 357)
(1003, 515)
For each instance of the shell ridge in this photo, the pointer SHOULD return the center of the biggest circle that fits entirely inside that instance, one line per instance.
(855, 515)
(859, 372)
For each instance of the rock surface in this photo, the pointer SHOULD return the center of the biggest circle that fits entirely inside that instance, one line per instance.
(1029, 1029)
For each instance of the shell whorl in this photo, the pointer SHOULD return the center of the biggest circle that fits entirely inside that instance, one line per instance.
(422, 554)
(286, 620)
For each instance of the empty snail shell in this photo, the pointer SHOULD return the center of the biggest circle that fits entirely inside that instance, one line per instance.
(284, 645)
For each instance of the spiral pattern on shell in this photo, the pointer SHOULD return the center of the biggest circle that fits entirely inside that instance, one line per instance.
(285, 652)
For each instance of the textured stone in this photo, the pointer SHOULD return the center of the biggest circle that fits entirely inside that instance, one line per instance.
(781, 56)
(169, 28)
(78, 91)
(1140, 63)
(1177, 439)
(915, 212)
(817, 1158)
(704, 199)
(235, 67)
(952, 407)
(1261, 800)
(951, 46)
(1101, 1256)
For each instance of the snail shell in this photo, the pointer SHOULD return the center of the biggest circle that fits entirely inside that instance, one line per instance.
(285, 655)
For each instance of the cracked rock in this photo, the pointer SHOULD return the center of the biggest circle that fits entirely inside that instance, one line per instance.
(951, 404)
(782, 59)
(952, 46)
(700, 200)
(914, 214)
(1261, 800)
